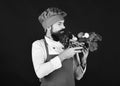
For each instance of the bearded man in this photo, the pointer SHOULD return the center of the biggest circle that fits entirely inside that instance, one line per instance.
(54, 65)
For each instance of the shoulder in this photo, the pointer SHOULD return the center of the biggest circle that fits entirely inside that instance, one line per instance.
(39, 46)
(38, 42)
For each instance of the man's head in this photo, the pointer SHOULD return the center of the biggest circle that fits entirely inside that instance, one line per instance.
(57, 30)
(51, 16)
(52, 20)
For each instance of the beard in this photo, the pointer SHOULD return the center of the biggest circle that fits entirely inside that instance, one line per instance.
(57, 35)
(62, 36)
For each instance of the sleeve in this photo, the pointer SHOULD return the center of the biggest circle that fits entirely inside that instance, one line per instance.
(39, 56)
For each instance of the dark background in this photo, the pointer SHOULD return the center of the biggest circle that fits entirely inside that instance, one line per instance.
(19, 27)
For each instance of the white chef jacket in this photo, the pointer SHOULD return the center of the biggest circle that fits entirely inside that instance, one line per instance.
(39, 57)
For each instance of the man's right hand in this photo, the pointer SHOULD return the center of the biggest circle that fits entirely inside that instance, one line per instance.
(69, 52)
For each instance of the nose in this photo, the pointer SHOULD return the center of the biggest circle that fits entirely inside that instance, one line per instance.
(63, 27)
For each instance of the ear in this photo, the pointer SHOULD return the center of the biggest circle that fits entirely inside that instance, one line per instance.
(45, 30)
(48, 29)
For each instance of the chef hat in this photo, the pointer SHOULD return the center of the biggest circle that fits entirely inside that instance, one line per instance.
(51, 16)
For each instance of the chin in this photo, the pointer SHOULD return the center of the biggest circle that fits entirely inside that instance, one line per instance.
(61, 36)
(58, 35)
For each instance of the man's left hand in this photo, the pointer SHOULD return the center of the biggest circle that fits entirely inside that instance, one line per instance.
(85, 55)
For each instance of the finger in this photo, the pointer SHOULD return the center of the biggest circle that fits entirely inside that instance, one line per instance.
(74, 48)
(85, 50)
(78, 48)
(78, 51)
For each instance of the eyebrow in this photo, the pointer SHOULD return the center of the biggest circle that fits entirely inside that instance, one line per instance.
(61, 22)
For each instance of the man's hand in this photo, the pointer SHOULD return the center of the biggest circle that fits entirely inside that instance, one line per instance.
(70, 52)
(85, 55)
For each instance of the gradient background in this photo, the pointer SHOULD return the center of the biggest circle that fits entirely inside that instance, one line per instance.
(19, 27)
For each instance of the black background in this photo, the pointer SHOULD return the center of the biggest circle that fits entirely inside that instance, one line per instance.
(19, 27)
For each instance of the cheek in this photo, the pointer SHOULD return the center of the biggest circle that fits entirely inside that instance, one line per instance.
(56, 29)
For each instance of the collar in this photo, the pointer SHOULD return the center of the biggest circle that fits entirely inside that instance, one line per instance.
(55, 45)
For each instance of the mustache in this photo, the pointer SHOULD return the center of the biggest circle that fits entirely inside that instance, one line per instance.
(60, 35)
(61, 31)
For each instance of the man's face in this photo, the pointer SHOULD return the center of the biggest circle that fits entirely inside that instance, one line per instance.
(57, 30)
(58, 26)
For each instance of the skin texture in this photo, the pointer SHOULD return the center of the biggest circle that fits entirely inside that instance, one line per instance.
(56, 27)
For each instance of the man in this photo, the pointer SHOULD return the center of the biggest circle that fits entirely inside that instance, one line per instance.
(54, 65)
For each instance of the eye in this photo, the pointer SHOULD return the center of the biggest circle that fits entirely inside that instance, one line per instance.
(59, 23)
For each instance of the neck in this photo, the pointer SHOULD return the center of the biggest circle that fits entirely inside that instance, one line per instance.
(48, 34)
